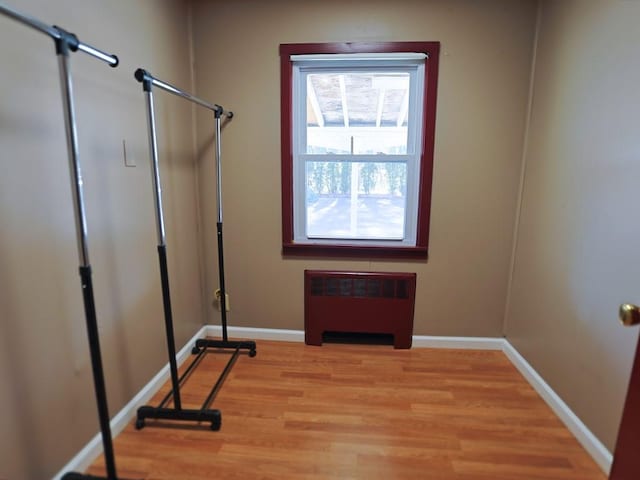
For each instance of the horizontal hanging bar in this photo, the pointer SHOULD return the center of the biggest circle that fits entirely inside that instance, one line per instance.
(144, 77)
(58, 34)
(30, 22)
(111, 59)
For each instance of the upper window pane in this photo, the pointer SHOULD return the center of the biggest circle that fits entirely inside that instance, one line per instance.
(357, 112)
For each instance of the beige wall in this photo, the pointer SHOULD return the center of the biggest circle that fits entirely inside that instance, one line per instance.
(483, 86)
(46, 391)
(577, 251)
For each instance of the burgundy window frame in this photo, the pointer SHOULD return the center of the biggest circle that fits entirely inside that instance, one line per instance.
(420, 250)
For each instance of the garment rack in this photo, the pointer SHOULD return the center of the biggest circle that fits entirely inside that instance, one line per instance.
(177, 412)
(66, 42)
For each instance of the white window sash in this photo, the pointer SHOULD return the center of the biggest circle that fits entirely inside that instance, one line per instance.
(349, 158)
(305, 64)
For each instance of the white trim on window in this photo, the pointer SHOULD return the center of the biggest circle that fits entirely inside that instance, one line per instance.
(303, 65)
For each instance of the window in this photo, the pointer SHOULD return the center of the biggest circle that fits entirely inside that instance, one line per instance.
(357, 147)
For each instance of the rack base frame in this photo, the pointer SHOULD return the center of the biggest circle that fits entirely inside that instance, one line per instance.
(162, 412)
(205, 343)
(212, 416)
(82, 476)
(204, 414)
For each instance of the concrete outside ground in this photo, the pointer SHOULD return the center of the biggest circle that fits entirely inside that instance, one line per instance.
(376, 216)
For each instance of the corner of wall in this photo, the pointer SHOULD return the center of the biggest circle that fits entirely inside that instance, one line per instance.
(194, 148)
(523, 170)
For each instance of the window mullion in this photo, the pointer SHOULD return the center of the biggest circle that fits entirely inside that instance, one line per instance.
(310, 157)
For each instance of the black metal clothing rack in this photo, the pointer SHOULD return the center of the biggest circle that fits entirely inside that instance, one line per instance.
(177, 412)
(65, 43)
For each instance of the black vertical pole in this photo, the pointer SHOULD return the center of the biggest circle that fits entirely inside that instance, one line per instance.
(168, 324)
(62, 50)
(223, 296)
(98, 372)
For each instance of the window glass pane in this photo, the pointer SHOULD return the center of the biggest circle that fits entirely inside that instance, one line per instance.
(364, 200)
(357, 113)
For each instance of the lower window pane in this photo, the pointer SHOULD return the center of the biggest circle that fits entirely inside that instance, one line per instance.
(360, 200)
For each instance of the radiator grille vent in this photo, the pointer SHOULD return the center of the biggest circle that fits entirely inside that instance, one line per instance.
(359, 287)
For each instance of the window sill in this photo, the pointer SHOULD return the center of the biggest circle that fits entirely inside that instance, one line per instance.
(353, 251)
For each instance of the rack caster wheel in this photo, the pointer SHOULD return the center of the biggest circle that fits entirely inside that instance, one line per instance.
(139, 424)
(215, 426)
(195, 350)
(252, 353)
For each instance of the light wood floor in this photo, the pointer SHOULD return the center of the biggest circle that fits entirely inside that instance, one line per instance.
(359, 412)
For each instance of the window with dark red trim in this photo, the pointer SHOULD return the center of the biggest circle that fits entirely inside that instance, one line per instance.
(358, 124)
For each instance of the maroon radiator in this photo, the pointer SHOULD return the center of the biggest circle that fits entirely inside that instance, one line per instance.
(359, 302)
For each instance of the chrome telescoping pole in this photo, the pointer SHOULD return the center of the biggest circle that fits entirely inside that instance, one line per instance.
(74, 163)
(62, 49)
(219, 166)
(155, 171)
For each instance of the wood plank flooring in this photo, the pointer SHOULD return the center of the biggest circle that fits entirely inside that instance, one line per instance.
(358, 412)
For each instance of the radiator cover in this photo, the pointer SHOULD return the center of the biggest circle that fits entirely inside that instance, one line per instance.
(359, 302)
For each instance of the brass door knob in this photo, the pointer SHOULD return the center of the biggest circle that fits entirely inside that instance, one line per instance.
(629, 314)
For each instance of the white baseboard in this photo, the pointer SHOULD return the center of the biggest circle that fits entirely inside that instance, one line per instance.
(420, 341)
(472, 343)
(600, 454)
(587, 439)
(93, 449)
(257, 333)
